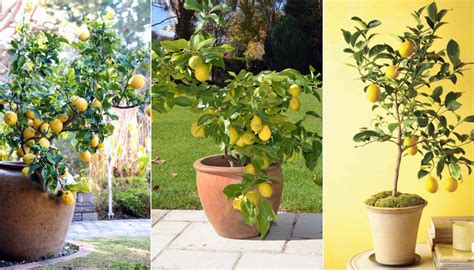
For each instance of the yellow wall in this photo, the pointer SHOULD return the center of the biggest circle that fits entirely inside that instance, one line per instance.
(353, 174)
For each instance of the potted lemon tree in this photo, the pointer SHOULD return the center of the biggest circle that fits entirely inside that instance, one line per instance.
(240, 190)
(414, 113)
(46, 97)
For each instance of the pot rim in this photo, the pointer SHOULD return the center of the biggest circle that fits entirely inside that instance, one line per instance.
(199, 166)
(12, 165)
(397, 209)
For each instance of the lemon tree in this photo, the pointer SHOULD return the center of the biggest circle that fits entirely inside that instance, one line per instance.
(412, 110)
(247, 116)
(49, 95)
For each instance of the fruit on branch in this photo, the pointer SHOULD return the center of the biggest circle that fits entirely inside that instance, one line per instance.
(451, 184)
(392, 72)
(431, 184)
(37, 123)
(265, 189)
(85, 156)
(256, 124)
(197, 131)
(29, 158)
(240, 142)
(252, 196)
(137, 81)
(406, 49)
(30, 142)
(249, 169)
(30, 67)
(43, 142)
(265, 133)
(234, 135)
(79, 103)
(411, 143)
(97, 103)
(292, 157)
(20, 153)
(25, 171)
(30, 114)
(28, 133)
(10, 118)
(202, 73)
(68, 198)
(295, 104)
(44, 128)
(373, 93)
(195, 61)
(62, 117)
(56, 126)
(248, 138)
(148, 110)
(94, 141)
(84, 34)
(237, 201)
(294, 90)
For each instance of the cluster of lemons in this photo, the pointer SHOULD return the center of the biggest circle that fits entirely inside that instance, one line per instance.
(201, 70)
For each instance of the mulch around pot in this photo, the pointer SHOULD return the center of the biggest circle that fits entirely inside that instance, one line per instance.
(72, 250)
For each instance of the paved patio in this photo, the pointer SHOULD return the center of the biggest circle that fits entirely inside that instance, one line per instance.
(109, 228)
(184, 239)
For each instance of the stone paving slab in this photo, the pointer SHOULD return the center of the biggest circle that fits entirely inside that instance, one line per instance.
(109, 228)
(184, 239)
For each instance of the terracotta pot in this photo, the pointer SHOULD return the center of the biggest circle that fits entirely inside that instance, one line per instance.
(32, 225)
(394, 232)
(213, 175)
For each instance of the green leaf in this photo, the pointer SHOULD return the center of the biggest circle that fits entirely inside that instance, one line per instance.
(365, 136)
(373, 24)
(440, 166)
(183, 101)
(469, 118)
(427, 158)
(433, 12)
(377, 49)
(175, 45)
(203, 119)
(453, 49)
(192, 5)
(455, 170)
(422, 173)
(347, 36)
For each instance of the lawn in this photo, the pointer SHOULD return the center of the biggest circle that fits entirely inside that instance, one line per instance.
(174, 180)
(112, 253)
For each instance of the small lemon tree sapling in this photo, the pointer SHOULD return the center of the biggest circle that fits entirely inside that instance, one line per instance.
(48, 95)
(410, 112)
(247, 116)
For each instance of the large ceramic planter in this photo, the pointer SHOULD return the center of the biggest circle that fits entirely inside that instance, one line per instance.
(213, 174)
(32, 225)
(394, 232)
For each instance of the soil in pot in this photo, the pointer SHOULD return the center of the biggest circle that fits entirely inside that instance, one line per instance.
(32, 224)
(213, 174)
(394, 222)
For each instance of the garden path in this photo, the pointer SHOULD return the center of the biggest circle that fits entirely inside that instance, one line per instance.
(109, 228)
(184, 239)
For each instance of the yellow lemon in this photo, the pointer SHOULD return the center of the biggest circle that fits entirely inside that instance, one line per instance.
(25, 171)
(68, 198)
(44, 143)
(28, 133)
(202, 73)
(195, 61)
(240, 142)
(292, 157)
(73, 100)
(266, 162)
(294, 90)
(413, 150)
(10, 118)
(94, 141)
(31, 68)
(20, 152)
(373, 93)
(392, 72)
(256, 124)
(137, 81)
(62, 117)
(234, 135)
(96, 103)
(44, 128)
(265, 134)
(451, 184)
(29, 158)
(56, 126)
(101, 146)
(252, 196)
(411, 142)
(37, 123)
(406, 49)
(84, 34)
(431, 184)
(236, 202)
(265, 189)
(30, 114)
(81, 104)
(248, 138)
(3, 153)
(295, 104)
(30, 142)
(249, 169)
(148, 110)
(85, 156)
(197, 131)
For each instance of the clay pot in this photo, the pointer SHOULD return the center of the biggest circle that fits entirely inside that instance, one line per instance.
(394, 232)
(213, 174)
(32, 225)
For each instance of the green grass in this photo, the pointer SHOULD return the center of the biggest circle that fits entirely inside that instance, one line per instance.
(172, 142)
(116, 253)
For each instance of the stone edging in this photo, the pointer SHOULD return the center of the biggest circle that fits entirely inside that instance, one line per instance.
(84, 250)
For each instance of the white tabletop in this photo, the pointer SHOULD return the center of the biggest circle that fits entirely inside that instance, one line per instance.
(361, 260)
